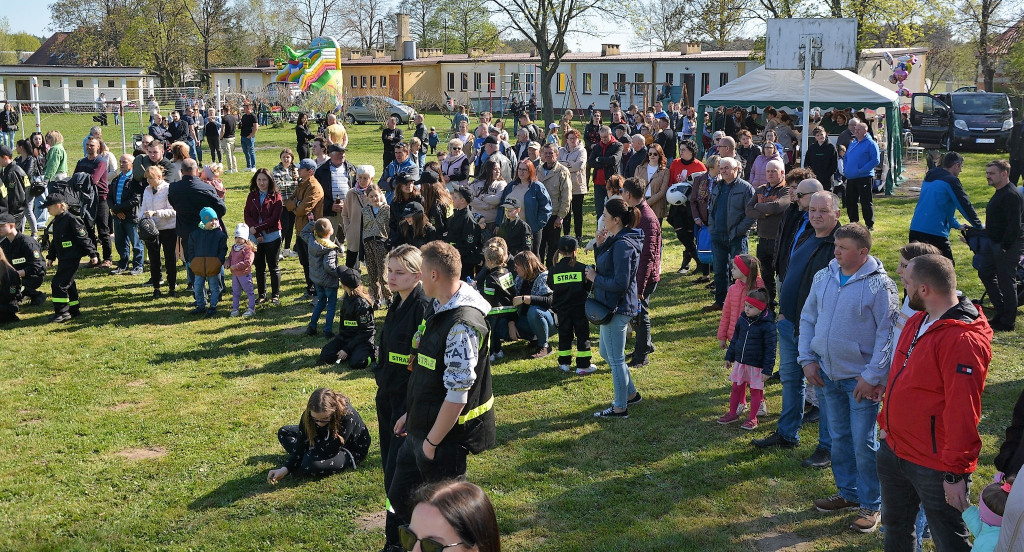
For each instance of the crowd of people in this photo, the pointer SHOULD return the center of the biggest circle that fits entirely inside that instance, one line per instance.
(480, 246)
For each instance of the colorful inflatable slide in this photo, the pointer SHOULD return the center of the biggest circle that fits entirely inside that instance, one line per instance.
(315, 68)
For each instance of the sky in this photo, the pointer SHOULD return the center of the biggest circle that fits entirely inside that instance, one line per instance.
(35, 22)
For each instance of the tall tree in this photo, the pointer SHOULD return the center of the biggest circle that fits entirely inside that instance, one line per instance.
(654, 22)
(717, 22)
(984, 17)
(421, 12)
(545, 24)
(462, 25)
(209, 18)
(365, 21)
(315, 17)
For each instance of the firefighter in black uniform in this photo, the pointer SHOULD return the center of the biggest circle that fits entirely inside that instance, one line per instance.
(408, 309)
(356, 330)
(69, 242)
(14, 187)
(450, 408)
(465, 233)
(568, 279)
(25, 256)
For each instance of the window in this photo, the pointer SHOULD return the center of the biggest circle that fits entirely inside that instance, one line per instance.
(79, 83)
(355, 81)
(451, 81)
(638, 78)
(705, 83)
(492, 82)
(464, 84)
(723, 79)
(110, 83)
(669, 79)
(477, 82)
(46, 83)
(620, 80)
(362, 81)
(603, 83)
(529, 83)
(373, 81)
(561, 84)
(587, 83)
(383, 81)
(925, 105)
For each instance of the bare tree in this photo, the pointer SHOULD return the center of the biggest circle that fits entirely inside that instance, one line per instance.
(209, 19)
(655, 22)
(420, 14)
(314, 17)
(364, 20)
(545, 24)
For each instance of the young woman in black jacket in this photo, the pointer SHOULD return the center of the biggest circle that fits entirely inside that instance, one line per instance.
(408, 309)
(303, 137)
(330, 438)
(354, 340)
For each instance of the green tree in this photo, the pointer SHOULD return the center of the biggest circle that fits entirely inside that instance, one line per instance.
(12, 43)
(209, 19)
(461, 25)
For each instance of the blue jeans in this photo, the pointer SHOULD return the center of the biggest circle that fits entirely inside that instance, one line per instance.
(126, 241)
(723, 250)
(854, 443)
(249, 150)
(325, 297)
(199, 290)
(612, 347)
(906, 486)
(197, 155)
(791, 375)
(10, 138)
(42, 215)
(539, 323)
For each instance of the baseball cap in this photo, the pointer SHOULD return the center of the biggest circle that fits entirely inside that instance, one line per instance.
(412, 208)
(491, 140)
(427, 177)
(349, 277)
(404, 176)
(307, 164)
(510, 203)
(5, 151)
(6, 218)
(553, 125)
(54, 199)
(464, 192)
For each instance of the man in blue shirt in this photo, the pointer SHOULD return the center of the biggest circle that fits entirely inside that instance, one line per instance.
(862, 156)
(941, 197)
(124, 198)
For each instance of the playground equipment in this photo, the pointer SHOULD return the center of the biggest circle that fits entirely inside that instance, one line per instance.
(313, 69)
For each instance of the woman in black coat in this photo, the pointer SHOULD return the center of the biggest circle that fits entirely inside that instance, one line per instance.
(303, 137)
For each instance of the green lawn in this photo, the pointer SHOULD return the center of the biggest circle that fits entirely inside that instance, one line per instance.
(208, 396)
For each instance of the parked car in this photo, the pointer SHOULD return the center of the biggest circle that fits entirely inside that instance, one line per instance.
(367, 109)
(961, 120)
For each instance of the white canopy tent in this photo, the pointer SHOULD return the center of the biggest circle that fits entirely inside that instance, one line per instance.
(829, 89)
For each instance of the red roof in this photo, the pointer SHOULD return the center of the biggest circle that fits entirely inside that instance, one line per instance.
(1002, 44)
(46, 55)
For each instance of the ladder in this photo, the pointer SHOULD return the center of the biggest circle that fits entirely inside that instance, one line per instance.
(570, 94)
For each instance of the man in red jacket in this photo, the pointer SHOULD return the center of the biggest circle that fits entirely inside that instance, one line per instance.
(929, 422)
(649, 272)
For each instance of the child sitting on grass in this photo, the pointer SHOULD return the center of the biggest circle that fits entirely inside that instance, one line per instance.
(751, 355)
(495, 283)
(330, 438)
(354, 341)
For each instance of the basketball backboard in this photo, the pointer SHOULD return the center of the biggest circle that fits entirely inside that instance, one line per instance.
(835, 44)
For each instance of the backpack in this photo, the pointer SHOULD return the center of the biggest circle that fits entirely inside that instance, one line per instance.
(81, 195)
(703, 234)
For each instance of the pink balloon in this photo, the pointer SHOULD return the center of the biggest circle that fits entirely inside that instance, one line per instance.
(901, 75)
(905, 92)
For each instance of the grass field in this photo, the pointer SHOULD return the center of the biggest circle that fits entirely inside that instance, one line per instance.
(136, 427)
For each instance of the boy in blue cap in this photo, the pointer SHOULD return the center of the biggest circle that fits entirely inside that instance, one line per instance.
(207, 249)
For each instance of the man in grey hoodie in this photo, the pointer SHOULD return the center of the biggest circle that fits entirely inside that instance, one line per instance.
(846, 347)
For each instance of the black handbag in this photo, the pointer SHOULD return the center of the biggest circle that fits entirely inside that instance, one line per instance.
(148, 230)
(597, 312)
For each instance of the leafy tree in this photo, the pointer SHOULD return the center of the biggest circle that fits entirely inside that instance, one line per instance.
(209, 19)
(717, 22)
(654, 22)
(459, 26)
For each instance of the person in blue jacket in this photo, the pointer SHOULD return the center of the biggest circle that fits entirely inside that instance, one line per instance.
(532, 196)
(941, 197)
(862, 156)
(617, 258)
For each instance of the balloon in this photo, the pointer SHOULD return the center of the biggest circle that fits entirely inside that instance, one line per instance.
(901, 75)
(892, 79)
(901, 66)
(905, 92)
(913, 59)
(888, 58)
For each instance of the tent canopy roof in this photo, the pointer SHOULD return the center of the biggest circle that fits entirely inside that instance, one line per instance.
(777, 88)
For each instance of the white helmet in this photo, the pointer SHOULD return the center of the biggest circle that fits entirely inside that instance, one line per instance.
(677, 194)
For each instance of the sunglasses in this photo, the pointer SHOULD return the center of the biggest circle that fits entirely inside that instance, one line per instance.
(409, 540)
(800, 195)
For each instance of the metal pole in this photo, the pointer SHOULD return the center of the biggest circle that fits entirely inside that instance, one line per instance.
(808, 48)
(120, 113)
(35, 104)
(218, 100)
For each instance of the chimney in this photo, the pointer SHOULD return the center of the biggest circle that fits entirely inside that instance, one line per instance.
(691, 48)
(404, 34)
(476, 52)
(354, 54)
(380, 54)
(609, 50)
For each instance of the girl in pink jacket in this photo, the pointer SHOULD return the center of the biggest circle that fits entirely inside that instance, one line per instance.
(239, 262)
(746, 271)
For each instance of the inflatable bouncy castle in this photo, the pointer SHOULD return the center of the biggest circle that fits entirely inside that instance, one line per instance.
(315, 68)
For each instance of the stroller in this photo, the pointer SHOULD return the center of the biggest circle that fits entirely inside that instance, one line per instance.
(977, 239)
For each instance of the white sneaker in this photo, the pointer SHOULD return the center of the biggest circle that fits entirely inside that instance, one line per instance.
(741, 409)
(234, 313)
(586, 371)
(565, 367)
(763, 411)
(497, 356)
(248, 312)
(252, 170)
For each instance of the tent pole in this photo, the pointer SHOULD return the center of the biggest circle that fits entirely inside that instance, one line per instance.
(808, 46)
